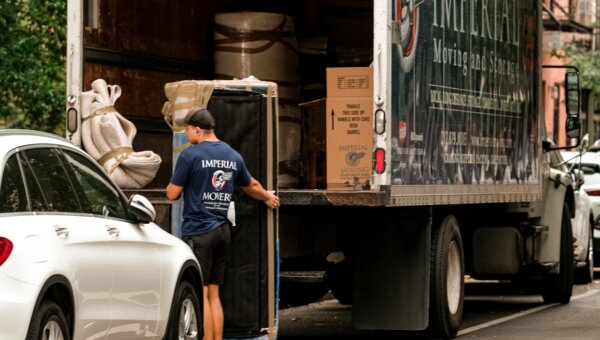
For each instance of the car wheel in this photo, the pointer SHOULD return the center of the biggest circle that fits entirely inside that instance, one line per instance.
(585, 275)
(48, 323)
(559, 287)
(185, 319)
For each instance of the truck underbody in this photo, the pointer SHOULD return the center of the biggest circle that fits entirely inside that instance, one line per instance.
(397, 265)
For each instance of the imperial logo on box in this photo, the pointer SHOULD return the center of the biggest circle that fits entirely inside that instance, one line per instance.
(352, 158)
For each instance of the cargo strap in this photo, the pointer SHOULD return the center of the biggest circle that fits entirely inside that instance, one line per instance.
(198, 95)
(120, 154)
(101, 111)
(180, 148)
(234, 36)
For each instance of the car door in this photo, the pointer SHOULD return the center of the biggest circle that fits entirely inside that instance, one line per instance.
(80, 248)
(134, 258)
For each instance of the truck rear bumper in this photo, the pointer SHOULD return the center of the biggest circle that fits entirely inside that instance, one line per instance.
(363, 198)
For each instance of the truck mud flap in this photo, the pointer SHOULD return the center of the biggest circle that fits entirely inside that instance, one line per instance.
(392, 270)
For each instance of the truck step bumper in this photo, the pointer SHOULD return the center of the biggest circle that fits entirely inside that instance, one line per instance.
(313, 276)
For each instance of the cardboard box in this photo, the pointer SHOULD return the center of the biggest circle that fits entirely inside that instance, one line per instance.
(349, 82)
(349, 124)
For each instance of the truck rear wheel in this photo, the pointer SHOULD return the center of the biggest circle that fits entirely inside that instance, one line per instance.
(559, 287)
(446, 279)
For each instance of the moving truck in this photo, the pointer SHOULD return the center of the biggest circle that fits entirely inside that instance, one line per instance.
(421, 147)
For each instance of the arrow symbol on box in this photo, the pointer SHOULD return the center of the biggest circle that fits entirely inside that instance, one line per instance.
(332, 120)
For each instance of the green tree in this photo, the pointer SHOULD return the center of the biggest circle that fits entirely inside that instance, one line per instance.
(32, 62)
(587, 62)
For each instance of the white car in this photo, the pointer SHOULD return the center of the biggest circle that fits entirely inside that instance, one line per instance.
(583, 222)
(590, 165)
(80, 261)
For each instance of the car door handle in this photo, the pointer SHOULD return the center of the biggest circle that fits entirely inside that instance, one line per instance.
(113, 231)
(61, 231)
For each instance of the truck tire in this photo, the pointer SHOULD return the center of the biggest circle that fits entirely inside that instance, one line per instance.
(446, 279)
(585, 275)
(559, 287)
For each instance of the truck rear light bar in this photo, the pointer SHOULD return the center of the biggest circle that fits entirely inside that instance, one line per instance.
(379, 160)
(72, 125)
(379, 122)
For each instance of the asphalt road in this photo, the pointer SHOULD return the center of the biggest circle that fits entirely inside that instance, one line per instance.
(492, 311)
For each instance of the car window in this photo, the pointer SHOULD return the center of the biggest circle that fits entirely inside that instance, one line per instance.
(12, 191)
(102, 197)
(587, 169)
(52, 180)
(36, 197)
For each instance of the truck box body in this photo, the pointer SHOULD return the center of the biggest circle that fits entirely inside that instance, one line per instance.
(465, 103)
(454, 142)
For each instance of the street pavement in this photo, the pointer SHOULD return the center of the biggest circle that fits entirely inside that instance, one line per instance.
(492, 311)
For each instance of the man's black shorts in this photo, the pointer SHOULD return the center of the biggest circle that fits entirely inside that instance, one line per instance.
(211, 251)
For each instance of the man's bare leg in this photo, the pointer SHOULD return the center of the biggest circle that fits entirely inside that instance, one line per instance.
(216, 311)
(208, 317)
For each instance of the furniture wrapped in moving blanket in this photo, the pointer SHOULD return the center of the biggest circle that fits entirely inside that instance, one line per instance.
(245, 113)
(107, 136)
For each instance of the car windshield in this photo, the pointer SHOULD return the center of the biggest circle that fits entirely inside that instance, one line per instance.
(587, 168)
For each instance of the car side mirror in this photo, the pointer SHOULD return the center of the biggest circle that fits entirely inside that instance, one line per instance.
(573, 127)
(141, 209)
(572, 94)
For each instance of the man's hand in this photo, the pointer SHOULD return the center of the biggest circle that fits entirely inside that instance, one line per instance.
(256, 191)
(272, 201)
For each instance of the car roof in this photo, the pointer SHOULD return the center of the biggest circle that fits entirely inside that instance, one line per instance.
(588, 157)
(13, 138)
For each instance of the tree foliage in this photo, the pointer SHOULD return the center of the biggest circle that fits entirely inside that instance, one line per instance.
(588, 63)
(32, 61)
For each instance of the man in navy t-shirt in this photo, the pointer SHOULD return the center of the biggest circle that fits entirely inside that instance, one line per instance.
(206, 173)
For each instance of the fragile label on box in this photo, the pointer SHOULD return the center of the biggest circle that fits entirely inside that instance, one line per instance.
(349, 143)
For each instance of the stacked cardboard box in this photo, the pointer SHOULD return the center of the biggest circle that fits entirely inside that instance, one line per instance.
(349, 124)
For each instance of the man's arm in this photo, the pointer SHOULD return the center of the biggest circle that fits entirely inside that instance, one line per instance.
(256, 191)
(173, 191)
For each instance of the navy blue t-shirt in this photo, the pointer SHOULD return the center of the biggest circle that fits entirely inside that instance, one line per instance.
(208, 171)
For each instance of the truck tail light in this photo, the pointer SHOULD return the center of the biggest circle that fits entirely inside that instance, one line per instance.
(5, 249)
(379, 160)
